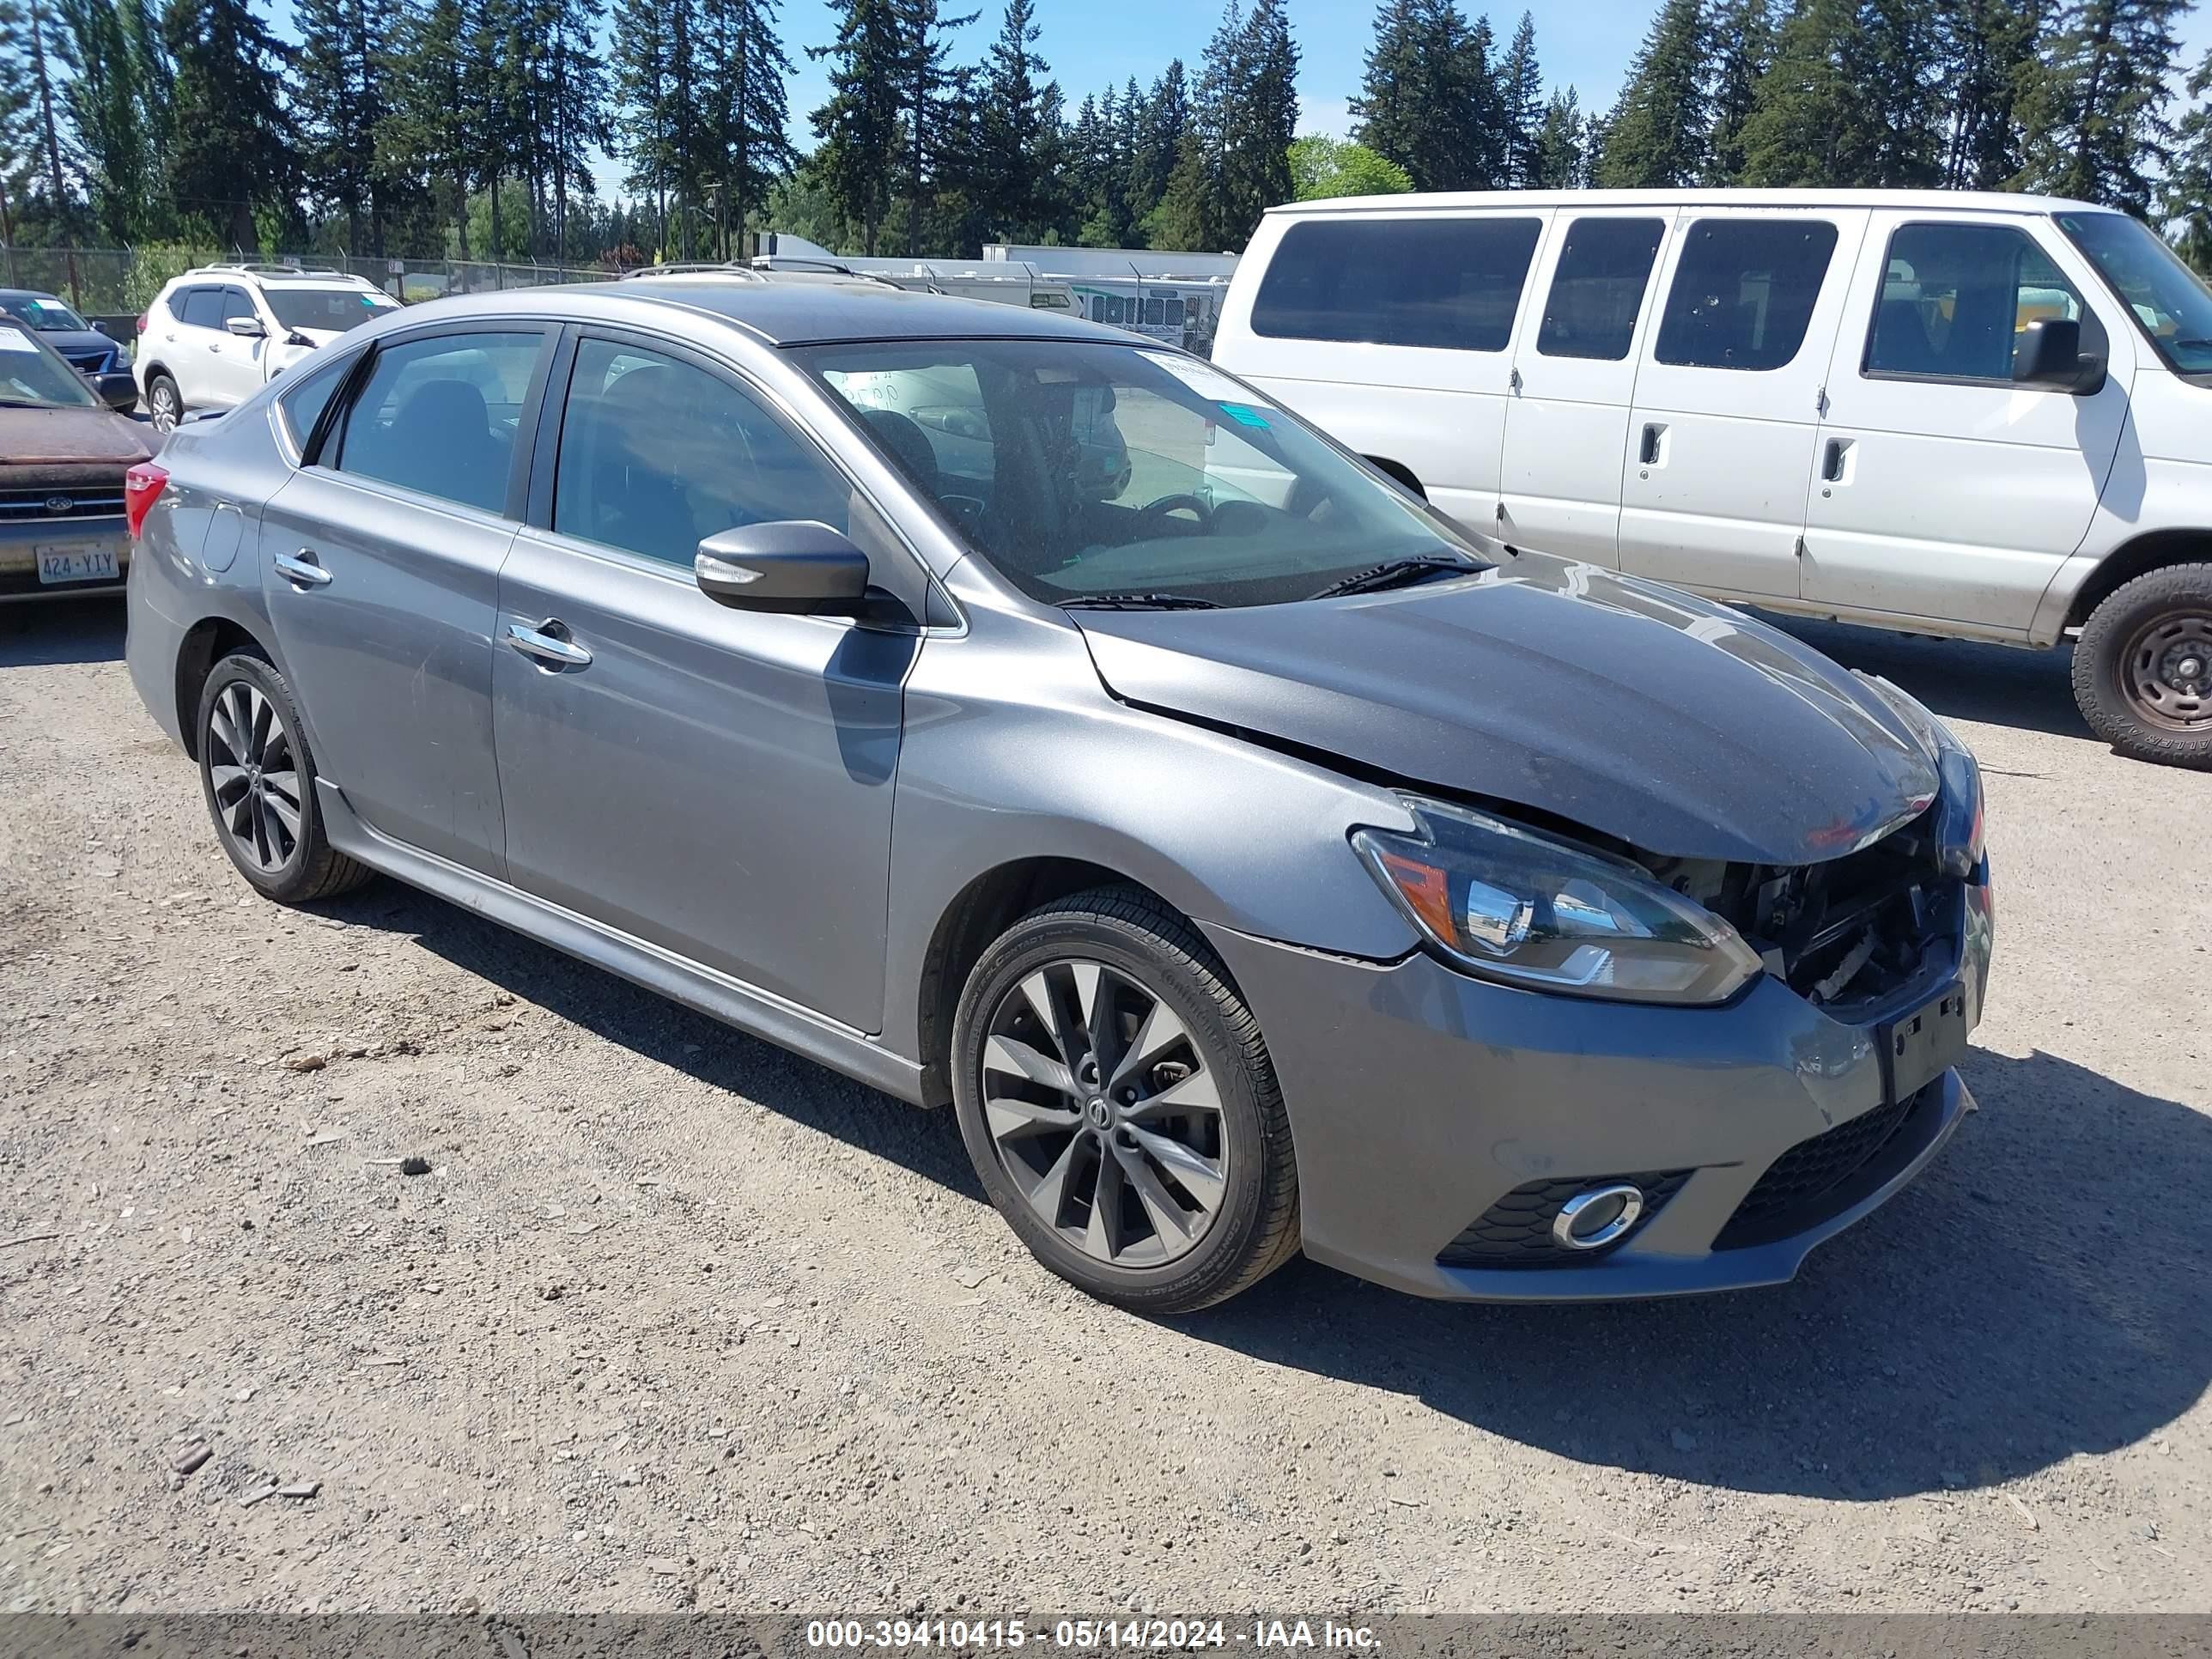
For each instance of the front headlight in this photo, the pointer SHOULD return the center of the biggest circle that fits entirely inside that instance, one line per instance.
(1528, 909)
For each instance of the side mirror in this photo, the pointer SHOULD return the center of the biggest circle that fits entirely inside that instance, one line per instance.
(791, 565)
(2049, 353)
(247, 328)
(116, 390)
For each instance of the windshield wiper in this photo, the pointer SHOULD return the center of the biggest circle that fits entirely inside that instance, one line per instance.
(32, 402)
(1396, 573)
(1138, 602)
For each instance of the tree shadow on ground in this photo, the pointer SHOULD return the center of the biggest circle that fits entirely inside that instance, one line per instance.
(49, 632)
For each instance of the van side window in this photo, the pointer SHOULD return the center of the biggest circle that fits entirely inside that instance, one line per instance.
(1598, 288)
(1744, 292)
(1449, 282)
(1955, 300)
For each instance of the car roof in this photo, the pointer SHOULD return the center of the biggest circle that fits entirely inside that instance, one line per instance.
(1936, 201)
(31, 294)
(792, 314)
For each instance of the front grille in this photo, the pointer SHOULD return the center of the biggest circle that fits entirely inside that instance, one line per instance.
(1790, 1197)
(1516, 1231)
(100, 501)
(91, 363)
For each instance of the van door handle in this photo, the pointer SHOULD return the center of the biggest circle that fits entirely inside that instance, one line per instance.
(555, 650)
(302, 570)
(1831, 460)
(1648, 454)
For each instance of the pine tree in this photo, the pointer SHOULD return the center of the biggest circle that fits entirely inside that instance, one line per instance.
(1657, 133)
(1427, 100)
(1562, 156)
(2092, 115)
(339, 99)
(1521, 106)
(1744, 45)
(34, 56)
(1160, 126)
(1990, 50)
(230, 151)
(424, 134)
(1852, 98)
(747, 77)
(1260, 120)
(859, 127)
(930, 92)
(1019, 148)
(101, 99)
(2188, 200)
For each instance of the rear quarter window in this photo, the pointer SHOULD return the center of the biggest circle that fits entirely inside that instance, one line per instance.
(1451, 283)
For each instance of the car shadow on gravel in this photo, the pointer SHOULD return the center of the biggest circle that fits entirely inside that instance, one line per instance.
(51, 632)
(649, 1024)
(1960, 679)
(2044, 1289)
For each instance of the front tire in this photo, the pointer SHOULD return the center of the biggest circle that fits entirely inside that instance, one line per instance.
(258, 778)
(1117, 1100)
(164, 405)
(2142, 669)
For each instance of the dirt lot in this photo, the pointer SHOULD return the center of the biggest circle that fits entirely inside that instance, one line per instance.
(677, 1320)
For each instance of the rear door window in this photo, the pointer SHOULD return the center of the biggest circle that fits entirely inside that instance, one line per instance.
(302, 403)
(1955, 300)
(1744, 291)
(203, 307)
(1598, 288)
(1453, 284)
(657, 454)
(439, 416)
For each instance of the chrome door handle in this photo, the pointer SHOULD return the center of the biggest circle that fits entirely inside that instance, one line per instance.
(547, 647)
(302, 570)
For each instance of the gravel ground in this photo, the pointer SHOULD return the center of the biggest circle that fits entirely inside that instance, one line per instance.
(675, 1319)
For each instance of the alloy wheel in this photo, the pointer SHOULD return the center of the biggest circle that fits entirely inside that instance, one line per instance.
(254, 773)
(161, 407)
(2166, 671)
(1104, 1114)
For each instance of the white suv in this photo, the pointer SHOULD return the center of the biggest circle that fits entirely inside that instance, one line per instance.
(1974, 415)
(216, 333)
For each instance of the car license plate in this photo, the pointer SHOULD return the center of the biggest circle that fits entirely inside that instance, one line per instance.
(77, 563)
(1922, 1045)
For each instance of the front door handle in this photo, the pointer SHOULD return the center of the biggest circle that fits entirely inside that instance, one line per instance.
(542, 644)
(302, 570)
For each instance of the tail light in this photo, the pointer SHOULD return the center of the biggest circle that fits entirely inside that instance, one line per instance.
(141, 486)
(141, 322)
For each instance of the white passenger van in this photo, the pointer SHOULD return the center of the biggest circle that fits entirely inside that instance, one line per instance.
(1985, 416)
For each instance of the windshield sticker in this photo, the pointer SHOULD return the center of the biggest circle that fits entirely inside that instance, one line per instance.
(14, 339)
(1244, 416)
(1204, 378)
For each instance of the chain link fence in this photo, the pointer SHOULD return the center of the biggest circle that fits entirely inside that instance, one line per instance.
(111, 282)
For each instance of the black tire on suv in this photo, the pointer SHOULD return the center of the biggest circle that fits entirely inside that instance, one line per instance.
(2142, 669)
(1118, 1101)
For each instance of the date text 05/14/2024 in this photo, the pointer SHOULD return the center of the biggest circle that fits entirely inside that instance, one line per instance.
(1084, 1635)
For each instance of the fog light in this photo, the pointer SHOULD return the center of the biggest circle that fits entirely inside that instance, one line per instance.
(1590, 1221)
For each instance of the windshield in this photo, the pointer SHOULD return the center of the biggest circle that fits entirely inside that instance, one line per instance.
(1083, 471)
(326, 309)
(2171, 304)
(47, 316)
(30, 373)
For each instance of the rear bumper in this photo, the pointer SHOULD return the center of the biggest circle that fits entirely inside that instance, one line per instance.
(1430, 1109)
(19, 555)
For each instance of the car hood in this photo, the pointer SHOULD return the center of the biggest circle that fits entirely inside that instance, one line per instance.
(1682, 728)
(36, 442)
(80, 340)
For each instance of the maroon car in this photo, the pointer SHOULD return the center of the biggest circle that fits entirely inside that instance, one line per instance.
(64, 453)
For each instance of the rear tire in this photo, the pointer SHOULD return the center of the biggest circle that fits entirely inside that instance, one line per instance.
(164, 405)
(2142, 669)
(258, 780)
(1117, 1100)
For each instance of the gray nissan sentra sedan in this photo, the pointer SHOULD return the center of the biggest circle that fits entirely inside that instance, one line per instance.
(1254, 860)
